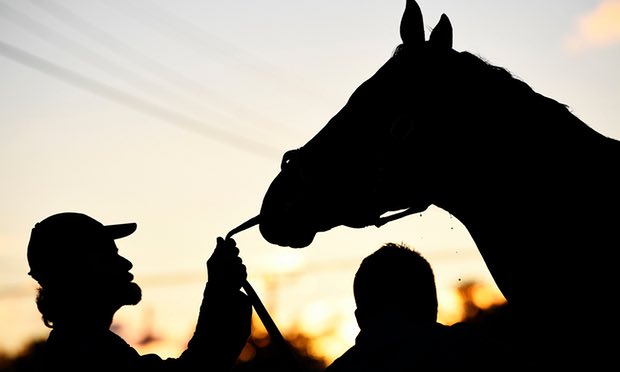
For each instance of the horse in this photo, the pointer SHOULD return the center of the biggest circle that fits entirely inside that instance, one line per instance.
(535, 186)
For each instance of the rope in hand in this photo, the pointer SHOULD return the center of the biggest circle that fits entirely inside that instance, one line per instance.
(261, 310)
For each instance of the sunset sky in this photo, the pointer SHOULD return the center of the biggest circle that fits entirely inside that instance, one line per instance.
(175, 114)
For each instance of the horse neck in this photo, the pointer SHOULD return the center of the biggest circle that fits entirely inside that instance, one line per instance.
(544, 164)
(530, 181)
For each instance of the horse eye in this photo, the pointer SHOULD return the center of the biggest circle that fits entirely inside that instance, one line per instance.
(287, 158)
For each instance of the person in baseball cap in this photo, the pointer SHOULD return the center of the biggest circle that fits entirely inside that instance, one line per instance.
(84, 281)
(63, 240)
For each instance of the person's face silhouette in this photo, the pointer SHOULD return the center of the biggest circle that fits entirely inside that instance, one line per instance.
(107, 274)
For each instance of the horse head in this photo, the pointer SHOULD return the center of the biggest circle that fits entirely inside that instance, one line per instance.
(349, 173)
(532, 183)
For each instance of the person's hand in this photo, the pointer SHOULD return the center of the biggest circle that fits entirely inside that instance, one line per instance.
(225, 320)
(225, 268)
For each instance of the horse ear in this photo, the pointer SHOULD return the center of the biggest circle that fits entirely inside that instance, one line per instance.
(412, 24)
(441, 36)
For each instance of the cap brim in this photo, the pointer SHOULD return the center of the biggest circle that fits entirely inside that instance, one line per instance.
(120, 230)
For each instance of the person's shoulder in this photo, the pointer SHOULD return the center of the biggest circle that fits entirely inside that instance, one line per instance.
(71, 347)
(346, 362)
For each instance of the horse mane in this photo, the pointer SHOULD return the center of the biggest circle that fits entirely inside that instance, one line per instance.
(507, 99)
(496, 78)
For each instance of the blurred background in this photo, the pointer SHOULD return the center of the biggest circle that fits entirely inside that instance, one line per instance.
(175, 115)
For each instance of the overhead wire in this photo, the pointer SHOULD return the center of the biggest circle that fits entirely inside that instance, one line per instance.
(184, 278)
(85, 54)
(136, 103)
(182, 31)
(206, 97)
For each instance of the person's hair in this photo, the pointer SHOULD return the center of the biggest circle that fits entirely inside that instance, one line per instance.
(56, 300)
(45, 304)
(396, 278)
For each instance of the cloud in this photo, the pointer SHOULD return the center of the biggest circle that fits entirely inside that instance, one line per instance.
(597, 29)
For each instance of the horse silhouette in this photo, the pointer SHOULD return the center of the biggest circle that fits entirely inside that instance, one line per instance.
(536, 188)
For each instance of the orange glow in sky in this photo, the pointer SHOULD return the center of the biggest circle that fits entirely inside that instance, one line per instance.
(599, 28)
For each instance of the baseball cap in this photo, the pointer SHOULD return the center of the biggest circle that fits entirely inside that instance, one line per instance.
(62, 237)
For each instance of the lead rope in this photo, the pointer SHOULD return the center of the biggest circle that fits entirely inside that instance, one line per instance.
(261, 310)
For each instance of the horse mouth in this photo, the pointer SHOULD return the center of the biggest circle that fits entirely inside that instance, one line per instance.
(293, 225)
(286, 234)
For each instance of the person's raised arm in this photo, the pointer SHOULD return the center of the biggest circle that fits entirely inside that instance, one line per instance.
(224, 322)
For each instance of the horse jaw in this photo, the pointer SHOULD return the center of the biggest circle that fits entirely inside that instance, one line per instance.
(293, 211)
(292, 237)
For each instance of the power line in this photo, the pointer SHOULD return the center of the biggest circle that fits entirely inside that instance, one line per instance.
(93, 58)
(178, 119)
(156, 69)
(172, 26)
(183, 278)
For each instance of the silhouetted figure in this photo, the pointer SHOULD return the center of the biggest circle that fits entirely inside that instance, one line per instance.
(84, 281)
(396, 298)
